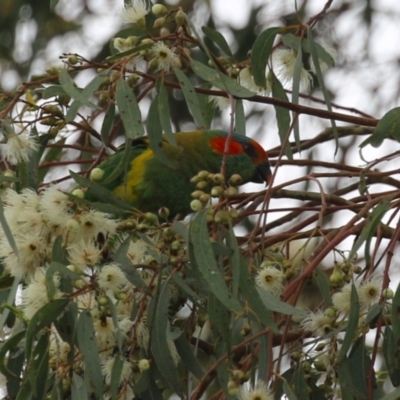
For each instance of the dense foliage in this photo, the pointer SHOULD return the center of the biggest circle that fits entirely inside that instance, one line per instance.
(279, 292)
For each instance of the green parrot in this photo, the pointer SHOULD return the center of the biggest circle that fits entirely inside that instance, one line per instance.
(149, 183)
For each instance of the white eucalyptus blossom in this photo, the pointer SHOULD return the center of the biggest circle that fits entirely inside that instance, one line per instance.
(111, 277)
(317, 323)
(107, 367)
(322, 64)
(270, 279)
(165, 56)
(342, 300)
(247, 80)
(283, 62)
(34, 295)
(223, 103)
(259, 391)
(19, 148)
(135, 12)
(84, 254)
(369, 292)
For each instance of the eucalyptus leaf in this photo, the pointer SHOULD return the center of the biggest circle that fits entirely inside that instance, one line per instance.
(260, 53)
(159, 344)
(207, 264)
(129, 110)
(218, 39)
(191, 98)
(86, 340)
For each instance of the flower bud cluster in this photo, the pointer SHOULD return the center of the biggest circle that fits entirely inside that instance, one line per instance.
(209, 186)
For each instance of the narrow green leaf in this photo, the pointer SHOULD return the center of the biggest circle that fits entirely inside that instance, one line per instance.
(300, 384)
(153, 392)
(260, 54)
(314, 55)
(240, 118)
(86, 340)
(100, 192)
(257, 306)
(154, 131)
(53, 91)
(42, 318)
(52, 154)
(207, 105)
(222, 370)
(352, 324)
(10, 301)
(25, 391)
(78, 388)
(234, 260)
(362, 187)
(84, 96)
(220, 319)
(16, 364)
(360, 364)
(288, 391)
(322, 54)
(56, 267)
(218, 39)
(192, 295)
(298, 66)
(59, 252)
(159, 344)
(129, 110)
(108, 123)
(272, 303)
(128, 268)
(116, 375)
(374, 313)
(127, 53)
(264, 361)
(395, 314)
(103, 207)
(292, 41)
(220, 249)
(143, 383)
(220, 80)
(374, 219)
(117, 331)
(323, 284)
(80, 97)
(207, 264)
(282, 114)
(391, 355)
(165, 115)
(388, 127)
(66, 325)
(38, 368)
(7, 231)
(56, 392)
(9, 345)
(181, 229)
(348, 390)
(189, 359)
(191, 98)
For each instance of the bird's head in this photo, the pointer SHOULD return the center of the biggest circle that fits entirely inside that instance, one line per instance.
(245, 157)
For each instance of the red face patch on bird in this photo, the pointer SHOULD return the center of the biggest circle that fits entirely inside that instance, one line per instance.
(250, 147)
(218, 145)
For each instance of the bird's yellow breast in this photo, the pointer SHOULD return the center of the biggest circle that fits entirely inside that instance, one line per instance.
(128, 190)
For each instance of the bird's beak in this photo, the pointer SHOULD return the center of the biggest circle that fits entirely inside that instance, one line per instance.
(262, 173)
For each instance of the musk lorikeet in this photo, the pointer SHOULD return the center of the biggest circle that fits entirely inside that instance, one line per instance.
(148, 183)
